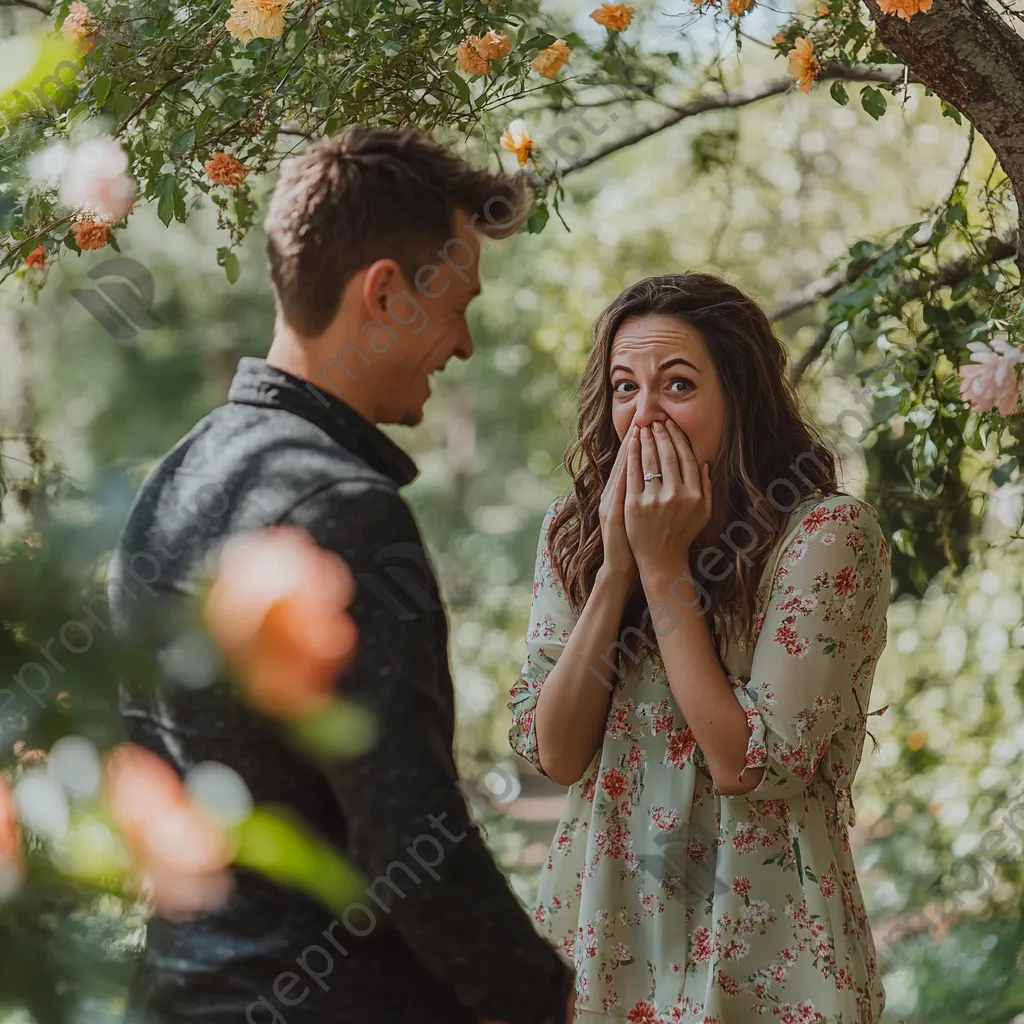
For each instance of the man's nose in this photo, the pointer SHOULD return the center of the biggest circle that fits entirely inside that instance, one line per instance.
(464, 349)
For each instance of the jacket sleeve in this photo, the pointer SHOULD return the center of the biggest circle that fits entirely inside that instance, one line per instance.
(409, 828)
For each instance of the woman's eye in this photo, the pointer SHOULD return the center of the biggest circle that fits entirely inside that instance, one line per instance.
(621, 385)
(686, 385)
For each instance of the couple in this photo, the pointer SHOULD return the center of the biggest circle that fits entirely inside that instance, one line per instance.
(704, 526)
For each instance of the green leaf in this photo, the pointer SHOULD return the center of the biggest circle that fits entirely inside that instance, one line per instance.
(839, 93)
(1002, 473)
(948, 110)
(285, 849)
(956, 214)
(873, 101)
(343, 729)
(903, 542)
(538, 43)
(164, 192)
(538, 218)
(229, 261)
(184, 142)
(101, 89)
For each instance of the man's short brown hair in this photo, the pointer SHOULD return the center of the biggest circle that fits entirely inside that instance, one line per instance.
(368, 194)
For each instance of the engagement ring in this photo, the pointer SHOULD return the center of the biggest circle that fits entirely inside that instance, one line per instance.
(648, 477)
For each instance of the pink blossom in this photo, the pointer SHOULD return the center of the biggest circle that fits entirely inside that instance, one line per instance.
(95, 178)
(990, 380)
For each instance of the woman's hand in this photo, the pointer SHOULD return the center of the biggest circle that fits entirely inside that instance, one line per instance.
(617, 556)
(664, 515)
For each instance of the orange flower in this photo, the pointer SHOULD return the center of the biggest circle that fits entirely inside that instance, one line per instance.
(823, 10)
(12, 861)
(519, 141)
(179, 850)
(36, 258)
(905, 9)
(803, 65)
(469, 57)
(551, 59)
(80, 26)
(493, 45)
(90, 232)
(224, 169)
(614, 16)
(256, 19)
(277, 609)
(779, 38)
(740, 7)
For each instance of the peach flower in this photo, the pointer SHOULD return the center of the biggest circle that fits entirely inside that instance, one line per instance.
(181, 852)
(493, 46)
(614, 16)
(277, 609)
(256, 19)
(80, 26)
(739, 7)
(779, 38)
(224, 169)
(12, 860)
(519, 141)
(905, 9)
(551, 59)
(990, 380)
(469, 57)
(36, 258)
(90, 232)
(803, 65)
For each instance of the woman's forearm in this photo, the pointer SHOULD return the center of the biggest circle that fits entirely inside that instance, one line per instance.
(700, 686)
(573, 703)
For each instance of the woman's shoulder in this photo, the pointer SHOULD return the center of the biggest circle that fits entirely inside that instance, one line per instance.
(828, 517)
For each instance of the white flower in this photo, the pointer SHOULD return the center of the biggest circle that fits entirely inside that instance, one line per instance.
(46, 166)
(96, 178)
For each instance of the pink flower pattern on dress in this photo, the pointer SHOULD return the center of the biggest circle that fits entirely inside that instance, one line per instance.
(682, 905)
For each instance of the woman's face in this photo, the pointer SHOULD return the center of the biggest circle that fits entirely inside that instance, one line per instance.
(660, 369)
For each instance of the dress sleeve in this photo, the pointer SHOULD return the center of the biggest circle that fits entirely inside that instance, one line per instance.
(819, 636)
(551, 621)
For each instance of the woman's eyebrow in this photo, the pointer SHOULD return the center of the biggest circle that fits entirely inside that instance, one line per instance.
(675, 361)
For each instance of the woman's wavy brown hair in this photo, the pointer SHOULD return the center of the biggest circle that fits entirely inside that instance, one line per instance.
(766, 441)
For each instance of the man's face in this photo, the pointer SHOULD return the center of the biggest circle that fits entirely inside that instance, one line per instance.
(428, 318)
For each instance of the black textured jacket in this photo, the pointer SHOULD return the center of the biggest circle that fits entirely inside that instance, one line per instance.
(449, 949)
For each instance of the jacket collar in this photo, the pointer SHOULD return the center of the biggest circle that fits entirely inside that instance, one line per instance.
(257, 383)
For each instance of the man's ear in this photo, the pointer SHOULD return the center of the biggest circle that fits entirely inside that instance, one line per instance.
(380, 279)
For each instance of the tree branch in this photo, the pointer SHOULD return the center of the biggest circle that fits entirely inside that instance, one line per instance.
(741, 97)
(26, 3)
(965, 53)
(947, 276)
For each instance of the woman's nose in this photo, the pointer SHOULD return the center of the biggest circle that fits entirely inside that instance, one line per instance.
(648, 411)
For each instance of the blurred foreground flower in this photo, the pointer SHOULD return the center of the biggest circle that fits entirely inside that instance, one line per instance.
(740, 7)
(277, 608)
(11, 858)
(519, 141)
(990, 380)
(803, 65)
(80, 26)
(224, 169)
(95, 178)
(256, 19)
(551, 59)
(614, 16)
(180, 850)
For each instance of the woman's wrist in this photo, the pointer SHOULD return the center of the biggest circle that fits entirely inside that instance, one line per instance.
(615, 580)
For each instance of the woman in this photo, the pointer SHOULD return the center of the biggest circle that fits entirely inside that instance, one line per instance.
(708, 611)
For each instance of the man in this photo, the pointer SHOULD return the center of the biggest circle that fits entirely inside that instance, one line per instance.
(374, 241)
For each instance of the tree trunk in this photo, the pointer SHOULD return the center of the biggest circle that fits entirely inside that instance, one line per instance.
(970, 55)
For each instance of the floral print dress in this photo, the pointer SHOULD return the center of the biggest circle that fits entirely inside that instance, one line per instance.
(677, 903)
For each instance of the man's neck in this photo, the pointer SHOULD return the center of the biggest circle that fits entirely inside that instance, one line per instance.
(308, 359)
